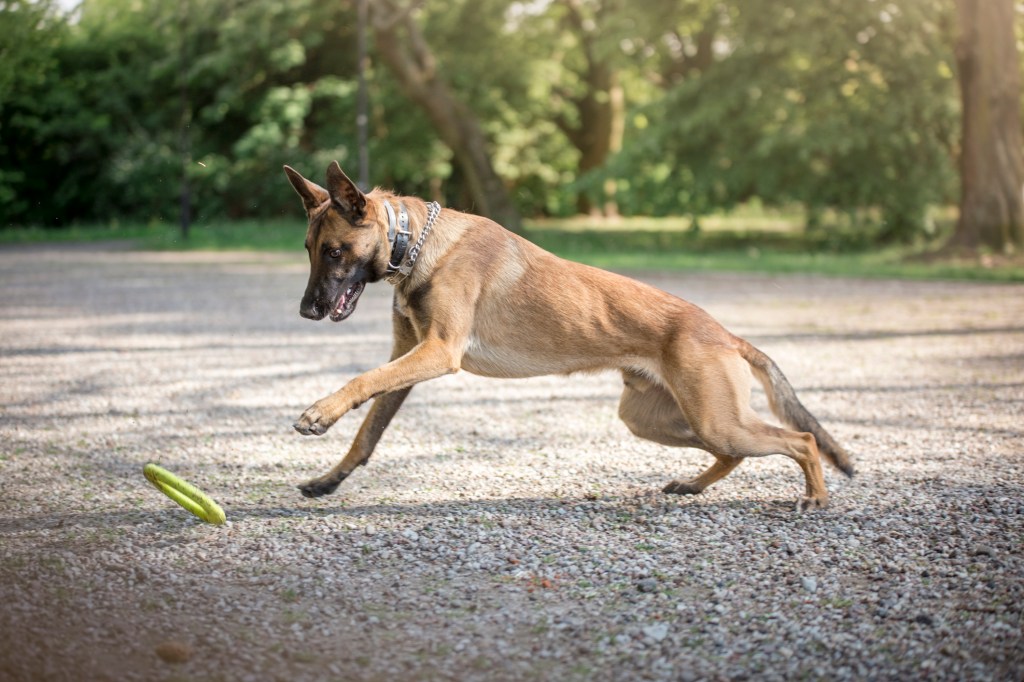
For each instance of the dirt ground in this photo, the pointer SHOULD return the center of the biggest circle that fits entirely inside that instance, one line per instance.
(504, 530)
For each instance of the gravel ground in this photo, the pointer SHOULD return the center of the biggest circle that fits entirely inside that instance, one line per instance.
(504, 530)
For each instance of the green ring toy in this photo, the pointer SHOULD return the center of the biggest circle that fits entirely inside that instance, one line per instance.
(187, 495)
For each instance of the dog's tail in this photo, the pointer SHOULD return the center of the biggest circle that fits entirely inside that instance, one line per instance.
(788, 408)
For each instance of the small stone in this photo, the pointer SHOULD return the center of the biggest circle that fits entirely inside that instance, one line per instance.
(924, 619)
(983, 550)
(810, 583)
(647, 585)
(657, 632)
(173, 651)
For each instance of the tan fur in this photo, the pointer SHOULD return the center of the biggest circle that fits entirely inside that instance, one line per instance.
(487, 301)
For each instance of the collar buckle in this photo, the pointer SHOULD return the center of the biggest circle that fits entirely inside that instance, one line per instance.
(398, 235)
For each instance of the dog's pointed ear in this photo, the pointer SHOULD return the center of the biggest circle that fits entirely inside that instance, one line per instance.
(345, 194)
(312, 194)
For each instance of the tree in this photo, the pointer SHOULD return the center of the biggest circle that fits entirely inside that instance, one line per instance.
(404, 49)
(500, 106)
(30, 34)
(598, 103)
(847, 106)
(992, 152)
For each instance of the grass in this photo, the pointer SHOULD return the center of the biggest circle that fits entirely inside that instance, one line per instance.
(222, 235)
(758, 242)
(756, 253)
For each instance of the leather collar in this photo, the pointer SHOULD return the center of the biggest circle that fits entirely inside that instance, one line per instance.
(398, 235)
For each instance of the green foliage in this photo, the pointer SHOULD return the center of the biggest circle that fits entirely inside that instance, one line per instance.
(831, 104)
(844, 108)
(29, 36)
(102, 131)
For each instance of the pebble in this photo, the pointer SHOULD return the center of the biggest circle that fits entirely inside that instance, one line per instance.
(173, 651)
(656, 632)
(647, 585)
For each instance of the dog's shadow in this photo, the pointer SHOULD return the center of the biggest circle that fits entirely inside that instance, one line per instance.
(172, 521)
(651, 505)
(173, 525)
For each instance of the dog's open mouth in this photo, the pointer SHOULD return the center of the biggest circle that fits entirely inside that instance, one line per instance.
(346, 304)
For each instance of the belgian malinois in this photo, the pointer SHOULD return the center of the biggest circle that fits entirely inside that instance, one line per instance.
(470, 295)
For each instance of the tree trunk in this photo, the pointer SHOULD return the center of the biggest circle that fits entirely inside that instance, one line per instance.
(992, 154)
(602, 122)
(601, 111)
(405, 52)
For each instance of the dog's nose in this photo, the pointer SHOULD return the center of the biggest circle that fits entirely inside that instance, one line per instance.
(310, 311)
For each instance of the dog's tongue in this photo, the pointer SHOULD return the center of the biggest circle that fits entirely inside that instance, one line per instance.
(342, 303)
(348, 295)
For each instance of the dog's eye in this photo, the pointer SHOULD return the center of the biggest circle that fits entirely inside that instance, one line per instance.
(336, 253)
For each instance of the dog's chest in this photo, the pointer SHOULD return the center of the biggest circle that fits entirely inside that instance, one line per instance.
(492, 357)
(495, 360)
(414, 310)
(412, 313)
(400, 306)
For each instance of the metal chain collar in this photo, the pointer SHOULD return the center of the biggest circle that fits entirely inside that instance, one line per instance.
(433, 210)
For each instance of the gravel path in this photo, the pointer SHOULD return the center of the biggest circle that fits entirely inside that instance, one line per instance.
(504, 530)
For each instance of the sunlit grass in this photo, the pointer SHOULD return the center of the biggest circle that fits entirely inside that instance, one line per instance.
(886, 263)
(218, 235)
(736, 243)
(746, 218)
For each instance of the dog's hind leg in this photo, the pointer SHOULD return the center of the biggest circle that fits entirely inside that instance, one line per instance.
(651, 413)
(719, 470)
(381, 412)
(713, 391)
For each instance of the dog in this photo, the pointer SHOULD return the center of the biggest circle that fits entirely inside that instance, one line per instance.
(470, 295)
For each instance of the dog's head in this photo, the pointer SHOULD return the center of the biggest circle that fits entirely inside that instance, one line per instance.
(343, 242)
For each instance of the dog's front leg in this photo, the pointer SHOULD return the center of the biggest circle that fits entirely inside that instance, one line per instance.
(428, 360)
(381, 413)
(383, 410)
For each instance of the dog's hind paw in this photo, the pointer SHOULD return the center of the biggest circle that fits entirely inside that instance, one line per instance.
(811, 504)
(681, 488)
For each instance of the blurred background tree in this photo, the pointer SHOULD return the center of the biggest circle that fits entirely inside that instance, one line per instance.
(992, 158)
(848, 111)
(833, 104)
(404, 48)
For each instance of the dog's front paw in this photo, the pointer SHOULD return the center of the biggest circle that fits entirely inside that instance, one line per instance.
(315, 421)
(323, 485)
